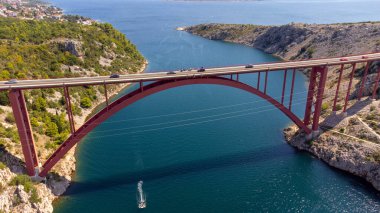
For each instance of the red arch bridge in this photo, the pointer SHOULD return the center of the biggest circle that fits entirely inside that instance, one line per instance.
(228, 76)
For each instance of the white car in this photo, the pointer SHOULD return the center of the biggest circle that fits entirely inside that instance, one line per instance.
(12, 81)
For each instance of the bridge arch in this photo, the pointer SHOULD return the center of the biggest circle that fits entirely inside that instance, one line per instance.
(148, 90)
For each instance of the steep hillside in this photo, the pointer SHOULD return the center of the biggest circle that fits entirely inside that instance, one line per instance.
(298, 41)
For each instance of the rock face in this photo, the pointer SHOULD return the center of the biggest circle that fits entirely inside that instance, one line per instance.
(70, 45)
(298, 41)
(15, 198)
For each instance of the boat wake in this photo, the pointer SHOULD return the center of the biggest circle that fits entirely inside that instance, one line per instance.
(141, 198)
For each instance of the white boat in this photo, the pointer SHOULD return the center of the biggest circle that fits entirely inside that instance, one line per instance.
(141, 198)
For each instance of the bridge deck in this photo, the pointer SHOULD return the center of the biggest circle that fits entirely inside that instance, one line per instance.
(52, 83)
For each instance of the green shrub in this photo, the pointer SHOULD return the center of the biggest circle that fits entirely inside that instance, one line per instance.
(51, 129)
(39, 104)
(370, 116)
(325, 106)
(4, 100)
(310, 142)
(339, 107)
(34, 196)
(2, 188)
(310, 51)
(2, 144)
(10, 133)
(77, 110)
(341, 130)
(60, 138)
(2, 166)
(9, 118)
(23, 180)
(50, 145)
(85, 103)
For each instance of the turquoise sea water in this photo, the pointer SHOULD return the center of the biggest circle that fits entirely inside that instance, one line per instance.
(208, 148)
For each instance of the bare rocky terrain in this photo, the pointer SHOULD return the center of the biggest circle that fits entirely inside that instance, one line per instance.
(297, 40)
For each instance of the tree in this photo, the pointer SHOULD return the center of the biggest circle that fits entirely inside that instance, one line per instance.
(51, 129)
(85, 103)
(39, 104)
(4, 101)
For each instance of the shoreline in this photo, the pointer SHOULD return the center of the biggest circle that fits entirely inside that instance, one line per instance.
(355, 156)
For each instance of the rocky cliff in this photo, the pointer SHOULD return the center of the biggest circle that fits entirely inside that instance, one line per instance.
(296, 40)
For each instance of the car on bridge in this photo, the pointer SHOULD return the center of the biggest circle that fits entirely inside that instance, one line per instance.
(249, 66)
(12, 81)
(171, 73)
(114, 76)
(202, 69)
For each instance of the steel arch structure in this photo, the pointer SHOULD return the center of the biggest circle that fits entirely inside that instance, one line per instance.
(151, 89)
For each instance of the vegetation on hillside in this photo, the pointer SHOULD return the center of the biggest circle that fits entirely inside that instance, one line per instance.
(31, 49)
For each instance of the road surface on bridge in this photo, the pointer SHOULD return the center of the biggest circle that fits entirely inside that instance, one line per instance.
(154, 76)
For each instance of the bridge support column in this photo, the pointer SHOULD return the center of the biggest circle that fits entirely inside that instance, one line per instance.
(310, 98)
(292, 90)
(318, 104)
(376, 85)
(69, 110)
(349, 90)
(258, 80)
(338, 87)
(21, 115)
(106, 95)
(315, 98)
(364, 80)
(284, 87)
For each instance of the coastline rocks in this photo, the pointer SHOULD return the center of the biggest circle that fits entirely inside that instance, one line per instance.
(297, 40)
(357, 158)
(16, 199)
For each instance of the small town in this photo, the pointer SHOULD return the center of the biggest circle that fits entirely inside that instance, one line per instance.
(35, 10)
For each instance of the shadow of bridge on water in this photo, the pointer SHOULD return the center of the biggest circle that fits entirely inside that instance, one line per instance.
(237, 159)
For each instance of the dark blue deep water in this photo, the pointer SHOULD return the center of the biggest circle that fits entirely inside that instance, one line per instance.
(208, 148)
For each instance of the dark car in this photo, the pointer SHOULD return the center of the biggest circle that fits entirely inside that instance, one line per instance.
(201, 69)
(249, 66)
(171, 73)
(182, 70)
(114, 76)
